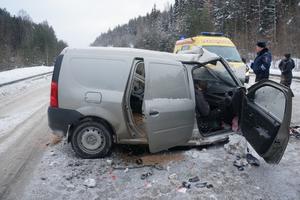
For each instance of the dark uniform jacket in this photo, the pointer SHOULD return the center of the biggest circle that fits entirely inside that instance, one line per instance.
(286, 66)
(261, 64)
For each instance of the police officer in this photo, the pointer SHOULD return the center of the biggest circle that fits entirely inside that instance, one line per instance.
(262, 62)
(286, 66)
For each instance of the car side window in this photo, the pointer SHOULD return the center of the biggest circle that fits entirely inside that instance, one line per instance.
(168, 81)
(271, 100)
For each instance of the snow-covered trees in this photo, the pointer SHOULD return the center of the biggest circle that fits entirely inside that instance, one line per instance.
(23, 42)
(245, 21)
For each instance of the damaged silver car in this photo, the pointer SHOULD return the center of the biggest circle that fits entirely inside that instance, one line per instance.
(101, 96)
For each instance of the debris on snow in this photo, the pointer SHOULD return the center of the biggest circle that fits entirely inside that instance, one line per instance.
(194, 179)
(148, 185)
(109, 162)
(146, 175)
(237, 145)
(295, 131)
(186, 185)
(53, 154)
(182, 190)
(204, 185)
(201, 185)
(173, 176)
(90, 183)
(240, 163)
(252, 160)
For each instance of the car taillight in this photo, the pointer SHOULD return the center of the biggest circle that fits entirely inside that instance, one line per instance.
(54, 95)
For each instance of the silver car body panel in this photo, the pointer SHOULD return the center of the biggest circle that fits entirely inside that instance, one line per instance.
(91, 71)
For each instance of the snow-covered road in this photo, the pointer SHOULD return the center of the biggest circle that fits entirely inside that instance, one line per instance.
(23, 130)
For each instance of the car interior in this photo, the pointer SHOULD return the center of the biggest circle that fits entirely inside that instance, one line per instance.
(137, 97)
(221, 93)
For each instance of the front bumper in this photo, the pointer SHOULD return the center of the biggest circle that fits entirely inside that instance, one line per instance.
(59, 119)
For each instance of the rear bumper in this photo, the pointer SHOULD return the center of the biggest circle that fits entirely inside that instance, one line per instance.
(59, 119)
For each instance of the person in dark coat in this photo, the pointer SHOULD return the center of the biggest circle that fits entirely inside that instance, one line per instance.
(286, 66)
(261, 64)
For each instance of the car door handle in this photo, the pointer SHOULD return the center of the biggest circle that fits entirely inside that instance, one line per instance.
(153, 112)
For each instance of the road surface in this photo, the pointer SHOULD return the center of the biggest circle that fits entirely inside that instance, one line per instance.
(24, 132)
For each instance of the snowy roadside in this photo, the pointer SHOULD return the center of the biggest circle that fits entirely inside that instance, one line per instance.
(30, 91)
(20, 73)
(19, 87)
(206, 173)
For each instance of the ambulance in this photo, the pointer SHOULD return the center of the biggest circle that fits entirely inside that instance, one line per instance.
(220, 45)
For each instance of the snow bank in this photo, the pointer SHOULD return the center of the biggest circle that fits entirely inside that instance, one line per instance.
(19, 73)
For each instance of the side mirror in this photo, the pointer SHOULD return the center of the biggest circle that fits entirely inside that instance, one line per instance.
(244, 60)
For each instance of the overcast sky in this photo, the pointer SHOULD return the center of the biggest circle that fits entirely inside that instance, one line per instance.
(79, 22)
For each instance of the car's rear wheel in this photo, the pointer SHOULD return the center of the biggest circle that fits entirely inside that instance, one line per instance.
(91, 139)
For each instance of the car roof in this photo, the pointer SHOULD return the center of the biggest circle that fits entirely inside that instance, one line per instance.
(198, 55)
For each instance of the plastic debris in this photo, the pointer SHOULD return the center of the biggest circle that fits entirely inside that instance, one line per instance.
(146, 175)
(182, 190)
(90, 183)
(172, 176)
(240, 163)
(186, 185)
(295, 131)
(194, 179)
(203, 185)
(252, 160)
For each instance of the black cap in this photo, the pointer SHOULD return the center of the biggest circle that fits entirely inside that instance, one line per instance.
(287, 55)
(261, 44)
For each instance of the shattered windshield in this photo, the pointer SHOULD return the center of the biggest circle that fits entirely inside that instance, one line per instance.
(215, 71)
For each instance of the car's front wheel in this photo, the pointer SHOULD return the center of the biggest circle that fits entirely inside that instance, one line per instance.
(91, 139)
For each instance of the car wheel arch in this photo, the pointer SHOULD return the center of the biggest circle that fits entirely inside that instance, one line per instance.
(95, 119)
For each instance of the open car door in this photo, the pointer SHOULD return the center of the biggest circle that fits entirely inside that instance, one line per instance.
(168, 107)
(265, 119)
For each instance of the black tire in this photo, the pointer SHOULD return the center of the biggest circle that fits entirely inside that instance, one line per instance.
(87, 137)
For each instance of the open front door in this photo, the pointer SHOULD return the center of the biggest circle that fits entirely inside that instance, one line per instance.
(168, 107)
(266, 117)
